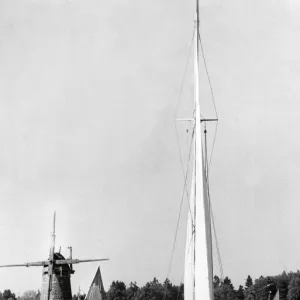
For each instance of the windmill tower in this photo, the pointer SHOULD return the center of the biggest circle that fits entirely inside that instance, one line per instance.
(57, 271)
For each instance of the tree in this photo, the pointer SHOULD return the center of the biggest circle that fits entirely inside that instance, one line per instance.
(132, 291)
(145, 292)
(249, 282)
(79, 297)
(179, 293)
(249, 293)
(294, 289)
(156, 290)
(29, 295)
(239, 294)
(263, 287)
(168, 289)
(117, 291)
(7, 294)
(216, 282)
(224, 290)
(152, 290)
(282, 282)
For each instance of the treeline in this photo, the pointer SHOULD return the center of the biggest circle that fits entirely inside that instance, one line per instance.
(28, 295)
(263, 288)
(150, 291)
(287, 285)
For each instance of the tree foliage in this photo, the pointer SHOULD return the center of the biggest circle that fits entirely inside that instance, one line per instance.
(132, 291)
(249, 282)
(117, 291)
(152, 290)
(79, 297)
(7, 295)
(287, 285)
(239, 294)
(30, 295)
(294, 288)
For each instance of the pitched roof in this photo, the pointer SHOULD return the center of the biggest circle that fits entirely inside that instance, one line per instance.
(96, 291)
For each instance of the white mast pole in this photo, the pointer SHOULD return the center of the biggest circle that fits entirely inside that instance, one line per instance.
(52, 249)
(203, 257)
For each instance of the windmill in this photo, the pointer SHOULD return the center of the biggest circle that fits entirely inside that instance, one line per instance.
(57, 272)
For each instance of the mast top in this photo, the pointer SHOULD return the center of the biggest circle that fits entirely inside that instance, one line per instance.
(54, 216)
(197, 15)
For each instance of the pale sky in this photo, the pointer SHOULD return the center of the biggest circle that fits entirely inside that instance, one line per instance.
(88, 91)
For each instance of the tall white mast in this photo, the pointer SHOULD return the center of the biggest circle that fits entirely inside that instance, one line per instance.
(189, 270)
(203, 254)
(52, 249)
(199, 228)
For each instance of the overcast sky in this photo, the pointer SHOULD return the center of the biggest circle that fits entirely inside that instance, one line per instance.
(88, 92)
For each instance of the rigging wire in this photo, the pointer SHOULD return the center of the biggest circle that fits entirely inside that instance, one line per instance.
(206, 70)
(208, 164)
(217, 243)
(211, 212)
(184, 75)
(211, 89)
(176, 111)
(184, 173)
(213, 145)
(180, 208)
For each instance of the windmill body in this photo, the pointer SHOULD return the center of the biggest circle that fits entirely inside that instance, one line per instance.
(57, 271)
(61, 281)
